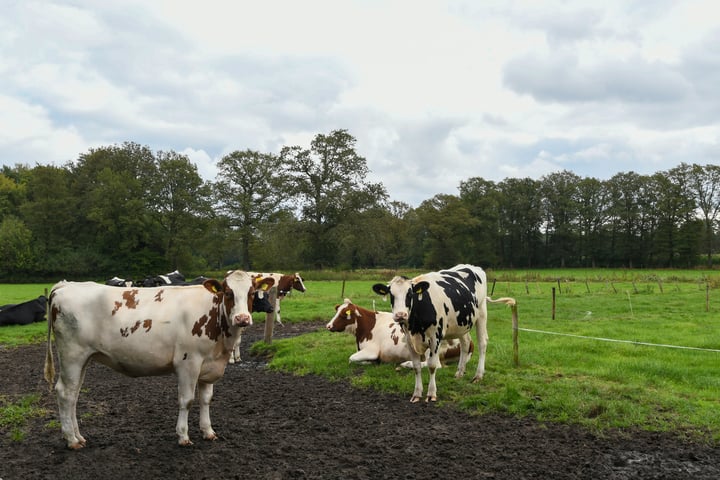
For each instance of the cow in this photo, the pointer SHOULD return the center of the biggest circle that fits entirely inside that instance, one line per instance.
(284, 285)
(172, 278)
(436, 306)
(189, 331)
(119, 282)
(261, 303)
(23, 313)
(379, 338)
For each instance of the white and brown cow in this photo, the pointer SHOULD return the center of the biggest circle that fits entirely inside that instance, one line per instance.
(186, 330)
(436, 306)
(379, 338)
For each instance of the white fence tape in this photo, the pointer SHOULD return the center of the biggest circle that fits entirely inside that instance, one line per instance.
(619, 341)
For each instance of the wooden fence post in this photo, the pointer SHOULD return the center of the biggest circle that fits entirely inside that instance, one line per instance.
(270, 317)
(553, 303)
(707, 297)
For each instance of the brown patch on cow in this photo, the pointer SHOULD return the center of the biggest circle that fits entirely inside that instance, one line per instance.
(453, 352)
(54, 312)
(212, 323)
(158, 295)
(364, 321)
(197, 329)
(130, 298)
(216, 326)
(146, 325)
(395, 335)
(117, 307)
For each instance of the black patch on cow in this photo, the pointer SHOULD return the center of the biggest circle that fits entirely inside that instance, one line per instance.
(422, 313)
(460, 291)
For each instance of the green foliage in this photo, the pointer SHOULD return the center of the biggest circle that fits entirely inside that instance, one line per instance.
(14, 415)
(126, 210)
(15, 251)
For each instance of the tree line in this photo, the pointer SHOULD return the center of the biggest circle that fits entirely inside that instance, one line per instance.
(126, 210)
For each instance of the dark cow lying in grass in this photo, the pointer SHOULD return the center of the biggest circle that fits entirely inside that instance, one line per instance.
(23, 313)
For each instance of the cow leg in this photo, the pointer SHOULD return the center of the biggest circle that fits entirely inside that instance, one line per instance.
(465, 341)
(205, 394)
(187, 380)
(366, 355)
(72, 373)
(482, 336)
(235, 355)
(417, 367)
(433, 363)
(277, 311)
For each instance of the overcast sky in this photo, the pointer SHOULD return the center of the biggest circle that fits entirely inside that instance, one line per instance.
(435, 92)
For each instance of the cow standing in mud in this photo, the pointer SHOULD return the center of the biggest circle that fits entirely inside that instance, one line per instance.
(186, 330)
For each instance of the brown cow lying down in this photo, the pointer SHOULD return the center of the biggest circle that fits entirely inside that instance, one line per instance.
(379, 338)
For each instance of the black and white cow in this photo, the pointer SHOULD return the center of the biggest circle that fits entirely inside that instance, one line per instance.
(23, 313)
(437, 306)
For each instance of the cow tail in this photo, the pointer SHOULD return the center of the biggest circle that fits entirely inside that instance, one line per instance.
(49, 363)
(506, 300)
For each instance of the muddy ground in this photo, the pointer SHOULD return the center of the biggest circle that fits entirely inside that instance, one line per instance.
(276, 426)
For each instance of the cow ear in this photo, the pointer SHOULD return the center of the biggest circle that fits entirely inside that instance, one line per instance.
(213, 286)
(381, 289)
(420, 287)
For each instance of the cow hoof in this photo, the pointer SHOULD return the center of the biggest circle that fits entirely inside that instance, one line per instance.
(431, 399)
(414, 399)
(76, 445)
(211, 436)
(185, 443)
(476, 379)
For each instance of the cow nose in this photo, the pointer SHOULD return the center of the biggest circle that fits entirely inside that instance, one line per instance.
(401, 316)
(243, 320)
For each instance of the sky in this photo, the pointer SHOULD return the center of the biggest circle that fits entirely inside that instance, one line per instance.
(435, 92)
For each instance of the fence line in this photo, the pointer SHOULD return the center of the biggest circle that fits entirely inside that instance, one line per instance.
(619, 341)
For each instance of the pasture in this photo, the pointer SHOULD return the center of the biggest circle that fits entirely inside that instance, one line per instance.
(568, 369)
(573, 371)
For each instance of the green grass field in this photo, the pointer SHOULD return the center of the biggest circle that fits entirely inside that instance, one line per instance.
(567, 374)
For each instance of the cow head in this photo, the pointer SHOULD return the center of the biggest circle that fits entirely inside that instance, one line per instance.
(261, 303)
(298, 283)
(236, 295)
(403, 294)
(345, 316)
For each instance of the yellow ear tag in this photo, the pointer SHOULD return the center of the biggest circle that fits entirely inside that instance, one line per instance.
(347, 314)
(215, 289)
(265, 286)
